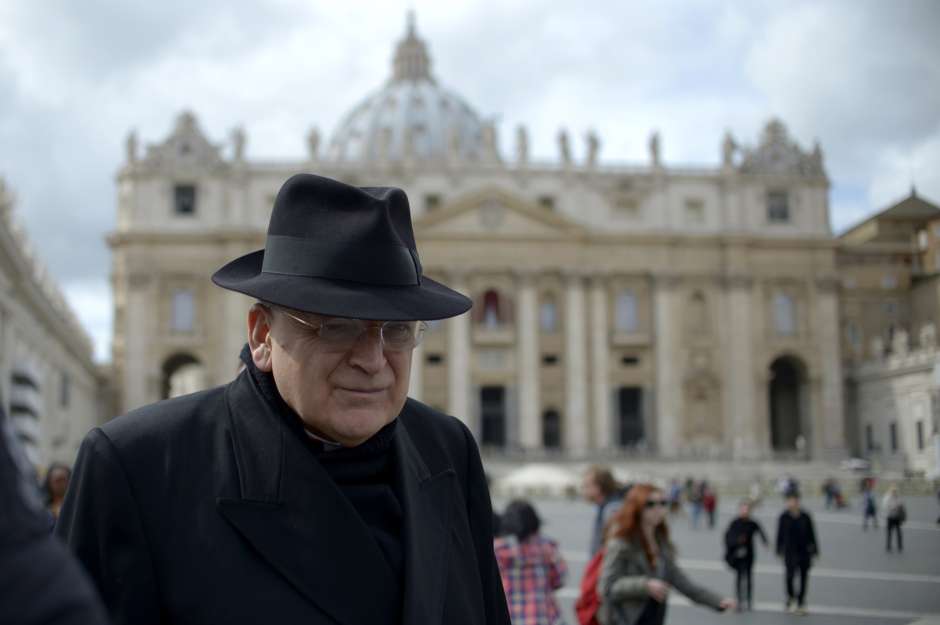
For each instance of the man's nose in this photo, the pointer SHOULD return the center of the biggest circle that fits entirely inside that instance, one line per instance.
(368, 353)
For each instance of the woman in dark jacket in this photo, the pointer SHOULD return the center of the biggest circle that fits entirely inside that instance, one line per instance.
(639, 567)
(739, 552)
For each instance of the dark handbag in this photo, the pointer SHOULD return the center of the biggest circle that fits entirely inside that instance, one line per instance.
(901, 514)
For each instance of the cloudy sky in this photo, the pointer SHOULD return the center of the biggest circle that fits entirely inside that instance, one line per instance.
(862, 77)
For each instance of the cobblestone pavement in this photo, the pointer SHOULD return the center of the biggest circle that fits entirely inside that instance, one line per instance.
(854, 581)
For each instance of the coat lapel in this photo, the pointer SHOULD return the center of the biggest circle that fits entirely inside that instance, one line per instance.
(295, 517)
(427, 502)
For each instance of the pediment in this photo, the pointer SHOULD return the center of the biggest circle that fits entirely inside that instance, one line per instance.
(494, 213)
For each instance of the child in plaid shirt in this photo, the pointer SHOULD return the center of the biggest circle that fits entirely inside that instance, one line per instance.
(531, 567)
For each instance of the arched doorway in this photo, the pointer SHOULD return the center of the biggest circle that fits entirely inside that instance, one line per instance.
(182, 374)
(788, 402)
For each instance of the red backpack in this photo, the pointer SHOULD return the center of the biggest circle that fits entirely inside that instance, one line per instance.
(588, 602)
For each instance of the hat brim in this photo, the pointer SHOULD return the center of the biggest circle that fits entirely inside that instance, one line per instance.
(427, 301)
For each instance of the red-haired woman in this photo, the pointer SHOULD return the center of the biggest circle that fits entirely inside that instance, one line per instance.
(639, 567)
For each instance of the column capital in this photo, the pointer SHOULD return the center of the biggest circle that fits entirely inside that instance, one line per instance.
(737, 281)
(666, 280)
(575, 274)
(525, 275)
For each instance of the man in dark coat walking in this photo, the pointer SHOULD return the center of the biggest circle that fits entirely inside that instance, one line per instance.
(796, 544)
(310, 489)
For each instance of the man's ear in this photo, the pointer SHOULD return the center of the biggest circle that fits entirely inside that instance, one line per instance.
(259, 336)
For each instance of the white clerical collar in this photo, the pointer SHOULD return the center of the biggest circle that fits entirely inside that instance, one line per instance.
(328, 445)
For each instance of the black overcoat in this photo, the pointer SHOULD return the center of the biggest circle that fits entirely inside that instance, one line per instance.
(208, 509)
(796, 538)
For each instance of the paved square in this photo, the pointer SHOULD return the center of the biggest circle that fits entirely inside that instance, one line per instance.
(854, 582)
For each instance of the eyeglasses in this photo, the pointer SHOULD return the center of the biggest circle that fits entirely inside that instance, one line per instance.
(341, 334)
(652, 503)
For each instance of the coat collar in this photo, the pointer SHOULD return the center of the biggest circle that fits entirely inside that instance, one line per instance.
(298, 520)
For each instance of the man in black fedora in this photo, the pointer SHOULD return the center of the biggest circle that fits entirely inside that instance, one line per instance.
(310, 489)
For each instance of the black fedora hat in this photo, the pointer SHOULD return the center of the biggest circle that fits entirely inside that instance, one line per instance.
(341, 251)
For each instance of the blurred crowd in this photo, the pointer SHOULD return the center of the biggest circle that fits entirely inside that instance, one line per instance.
(633, 566)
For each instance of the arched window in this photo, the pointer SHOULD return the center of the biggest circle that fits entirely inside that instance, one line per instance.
(491, 309)
(625, 311)
(548, 315)
(784, 315)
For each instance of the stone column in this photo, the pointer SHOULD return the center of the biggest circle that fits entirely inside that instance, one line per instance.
(527, 350)
(829, 430)
(458, 359)
(576, 431)
(138, 366)
(668, 380)
(739, 337)
(600, 378)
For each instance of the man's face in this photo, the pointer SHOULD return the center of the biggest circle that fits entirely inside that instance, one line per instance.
(342, 395)
(793, 504)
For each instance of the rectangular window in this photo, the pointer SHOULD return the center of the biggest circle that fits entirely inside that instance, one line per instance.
(695, 211)
(551, 429)
(778, 207)
(920, 435)
(184, 199)
(893, 435)
(625, 312)
(784, 315)
(432, 201)
(889, 281)
(183, 315)
(627, 207)
(869, 437)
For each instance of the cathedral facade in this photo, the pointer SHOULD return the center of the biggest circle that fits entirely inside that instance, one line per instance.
(645, 309)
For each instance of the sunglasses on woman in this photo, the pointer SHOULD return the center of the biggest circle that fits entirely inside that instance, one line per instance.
(652, 503)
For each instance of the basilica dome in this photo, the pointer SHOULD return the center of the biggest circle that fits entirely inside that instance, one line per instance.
(410, 117)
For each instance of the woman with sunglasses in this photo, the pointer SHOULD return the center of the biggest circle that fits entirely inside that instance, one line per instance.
(639, 568)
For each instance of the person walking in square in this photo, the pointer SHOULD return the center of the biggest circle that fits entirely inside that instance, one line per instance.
(639, 569)
(530, 566)
(797, 546)
(739, 552)
(696, 504)
(600, 488)
(895, 515)
(869, 505)
(709, 503)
